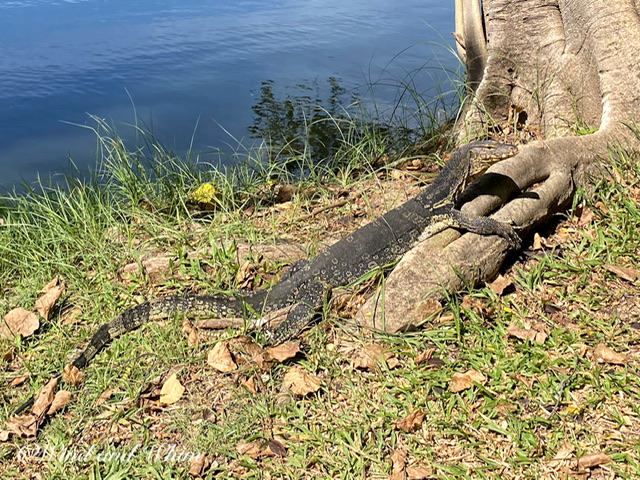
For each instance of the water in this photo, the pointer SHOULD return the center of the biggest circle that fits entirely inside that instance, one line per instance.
(187, 63)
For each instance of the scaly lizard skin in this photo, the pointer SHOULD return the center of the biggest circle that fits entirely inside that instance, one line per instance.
(377, 244)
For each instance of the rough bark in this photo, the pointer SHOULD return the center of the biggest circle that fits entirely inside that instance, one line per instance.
(553, 67)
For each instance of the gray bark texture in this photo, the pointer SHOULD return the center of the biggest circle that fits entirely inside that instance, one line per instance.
(550, 68)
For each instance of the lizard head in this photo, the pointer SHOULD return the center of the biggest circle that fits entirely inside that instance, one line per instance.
(485, 153)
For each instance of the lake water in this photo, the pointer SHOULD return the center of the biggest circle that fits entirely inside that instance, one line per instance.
(188, 63)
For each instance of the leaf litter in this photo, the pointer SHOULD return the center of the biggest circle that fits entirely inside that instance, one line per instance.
(482, 415)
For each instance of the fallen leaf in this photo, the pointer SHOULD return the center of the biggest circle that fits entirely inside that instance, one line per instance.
(419, 473)
(4, 435)
(536, 333)
(51, 294)
(246, 274)
(104, 396)
(586, 217)
(250, 384)
(301, 382)
(25, 426)
(198, 465)
(283, 352)
(398, 465)
(284, 193)
(45, 398)
(424, 356)
(500, 284)
(425, 308)
(19, 322)
(465, 380)
(373, 355)
(603, 354)
(71, 316)
(72, 375)
(10, 354)
(411, 422)
(593, 460)
(564, 453)
(19, 380)
(256, 352)
(275, 448)
(192, 333)
(602, 207)
(171, 390)
(252, 449)
(626, 273)
(537, 242)
(220, 358)
(551, 309)
(61, 400)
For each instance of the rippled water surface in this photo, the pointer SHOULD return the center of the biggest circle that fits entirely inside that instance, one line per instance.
(182, 63)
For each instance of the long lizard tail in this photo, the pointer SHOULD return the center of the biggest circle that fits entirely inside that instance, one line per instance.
(163, 307)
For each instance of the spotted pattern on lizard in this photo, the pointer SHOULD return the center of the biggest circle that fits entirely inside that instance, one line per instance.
(377, 244)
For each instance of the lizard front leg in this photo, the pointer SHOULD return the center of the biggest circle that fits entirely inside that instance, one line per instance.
(485, 226)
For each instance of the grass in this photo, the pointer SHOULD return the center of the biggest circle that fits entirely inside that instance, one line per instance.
(538, 400)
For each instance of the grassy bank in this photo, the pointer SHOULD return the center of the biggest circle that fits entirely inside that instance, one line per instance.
(376, 403)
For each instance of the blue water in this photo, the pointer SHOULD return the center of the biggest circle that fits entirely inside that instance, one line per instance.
(182, 63)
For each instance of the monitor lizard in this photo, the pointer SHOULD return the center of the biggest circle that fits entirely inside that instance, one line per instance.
(305, 285)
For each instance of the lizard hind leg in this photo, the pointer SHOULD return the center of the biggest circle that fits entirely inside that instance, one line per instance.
(301, 313)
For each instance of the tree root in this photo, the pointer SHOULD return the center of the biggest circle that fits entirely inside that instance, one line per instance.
(450, 262)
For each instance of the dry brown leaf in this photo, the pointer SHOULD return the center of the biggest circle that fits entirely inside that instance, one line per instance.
(301, 382)
(25, 426)
(425, 308)
(586, 217)
(463, 381)
(45, 398)
(51, 294)
(283, 352)
(537, 242)
(4, 435)
(72, 375)
(252, 449)
(198, 465)
(411, 422)
(536, 333)
(593, 460)
(246, 274)
(104, 396)
(398, 465)
(275, 448)
(500, 284)
(256, 352)
(71, 316)
(419, 473)
(626, 273)
(19, 322)
(564, 453)
(10, 354)
(61, 400)
(220, 358)
(371, 356)
(424, 356)
(193, 338)
(171, 390)
(192, 333)
(603, 354)
(19, 380)
(250, 384)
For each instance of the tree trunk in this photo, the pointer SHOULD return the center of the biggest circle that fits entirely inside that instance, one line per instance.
(561, 77)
